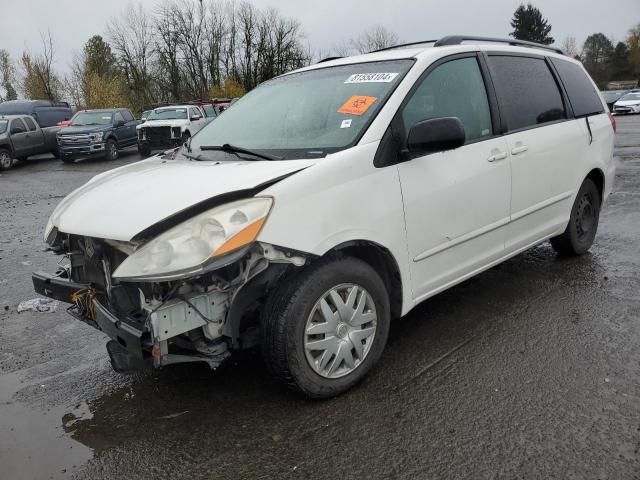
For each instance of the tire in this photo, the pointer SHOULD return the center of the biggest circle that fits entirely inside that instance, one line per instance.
(55, 152)
(583, 223)
(294, 306)
(111, 150)
(67, 159)
(6, 160)
(144, 150)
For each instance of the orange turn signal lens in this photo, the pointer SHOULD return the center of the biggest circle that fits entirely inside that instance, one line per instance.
(247, 235)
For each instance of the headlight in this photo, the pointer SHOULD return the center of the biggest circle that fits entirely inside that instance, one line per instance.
(96, 137)
(187, 248)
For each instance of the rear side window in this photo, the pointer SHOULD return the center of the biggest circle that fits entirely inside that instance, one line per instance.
(582, 93)
(527, 91)
(30, 124)
(127, 116)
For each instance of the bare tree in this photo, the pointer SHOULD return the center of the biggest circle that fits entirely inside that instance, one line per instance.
(375, 38)
(570, 47)
(132, 36)
(40, 81)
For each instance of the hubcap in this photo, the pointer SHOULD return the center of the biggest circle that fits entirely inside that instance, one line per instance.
(114, 151)
(340, 330)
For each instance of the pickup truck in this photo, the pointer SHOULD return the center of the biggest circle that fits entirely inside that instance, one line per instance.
(21, 137)
(98, 133)
(169, 127)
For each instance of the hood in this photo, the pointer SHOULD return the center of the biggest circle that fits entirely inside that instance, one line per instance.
(164, 123)
(626, 103)
(120, 203)
(75, 130)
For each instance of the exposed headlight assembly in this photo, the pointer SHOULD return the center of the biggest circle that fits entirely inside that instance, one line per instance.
(96, 137)
(189, 247)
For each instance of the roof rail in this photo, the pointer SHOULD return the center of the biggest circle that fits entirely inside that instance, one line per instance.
(328, 59)
(403, 45)
(458, 39)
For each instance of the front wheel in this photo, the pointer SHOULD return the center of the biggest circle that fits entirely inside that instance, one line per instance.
(6, 160)
(111, 149)
(583, 223)
(326, 327)
(144, 150)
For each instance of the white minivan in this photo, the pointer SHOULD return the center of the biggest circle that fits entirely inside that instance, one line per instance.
(331, 200)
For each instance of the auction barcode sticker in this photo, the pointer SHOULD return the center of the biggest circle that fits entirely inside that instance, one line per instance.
(371, 78)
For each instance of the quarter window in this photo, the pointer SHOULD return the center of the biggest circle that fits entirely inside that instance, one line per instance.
(581, 91)
(30, 124)
(527, 92)
(453, 89)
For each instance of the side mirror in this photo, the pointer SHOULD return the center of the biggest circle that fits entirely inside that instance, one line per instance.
(119, 123)
(16, 130)
(195, 118)
(436, 135)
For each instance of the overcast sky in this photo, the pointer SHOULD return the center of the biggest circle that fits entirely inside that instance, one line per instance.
(326, 22)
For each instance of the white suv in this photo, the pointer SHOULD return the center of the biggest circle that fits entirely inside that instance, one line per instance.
(333, 199)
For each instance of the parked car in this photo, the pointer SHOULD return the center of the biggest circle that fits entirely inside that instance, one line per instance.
(612, 96)
(168, 127)
(98, 133)
(21, 137)
(332, 200)
(629, 103)
(45, 113)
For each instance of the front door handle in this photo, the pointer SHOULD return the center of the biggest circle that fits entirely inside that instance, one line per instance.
(497, 156)
(520, 149)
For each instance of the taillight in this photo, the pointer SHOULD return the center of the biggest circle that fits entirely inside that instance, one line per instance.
(613, 122)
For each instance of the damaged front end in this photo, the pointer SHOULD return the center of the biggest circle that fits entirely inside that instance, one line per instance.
(156, 318)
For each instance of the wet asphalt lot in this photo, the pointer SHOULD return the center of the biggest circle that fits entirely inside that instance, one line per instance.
(530, 370)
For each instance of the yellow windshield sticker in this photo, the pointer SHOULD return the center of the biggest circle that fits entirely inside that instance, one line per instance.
(357, 105)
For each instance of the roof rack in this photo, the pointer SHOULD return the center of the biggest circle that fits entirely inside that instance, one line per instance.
(458, 39)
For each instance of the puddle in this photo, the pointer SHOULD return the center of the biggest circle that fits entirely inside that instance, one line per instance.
(33, 442)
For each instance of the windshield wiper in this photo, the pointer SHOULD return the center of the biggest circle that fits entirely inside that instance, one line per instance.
(233, 149)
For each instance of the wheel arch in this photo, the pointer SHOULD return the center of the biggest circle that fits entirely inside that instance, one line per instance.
(382, 261)
(597, 176)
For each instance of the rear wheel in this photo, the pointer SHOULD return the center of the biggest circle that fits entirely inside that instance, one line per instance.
(111, 149)
(326, 327)
(6, 160)
(583, 223)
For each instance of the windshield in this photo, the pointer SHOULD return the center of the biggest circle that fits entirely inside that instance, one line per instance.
(145, 114)
(609, 96)
(307, 114)
(630, 96)
(3, 126)
(92, 118)
(168, 114)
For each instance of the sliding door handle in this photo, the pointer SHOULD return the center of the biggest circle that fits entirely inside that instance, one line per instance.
(520, 149)
(497, 156)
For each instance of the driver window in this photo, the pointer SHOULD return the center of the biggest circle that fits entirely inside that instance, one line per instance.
(453, 89)
(118, 117)
(17, 123)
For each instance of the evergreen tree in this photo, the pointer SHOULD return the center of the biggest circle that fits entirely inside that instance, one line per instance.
(529, 24)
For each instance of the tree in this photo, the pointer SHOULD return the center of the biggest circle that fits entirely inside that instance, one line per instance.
(229, 89)
(620, 66)
(7, 76)
(98, 57)
(570, 47)
(633, 42)
(529, 24)
(40, 81)
(597, 52)
(375, 38)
